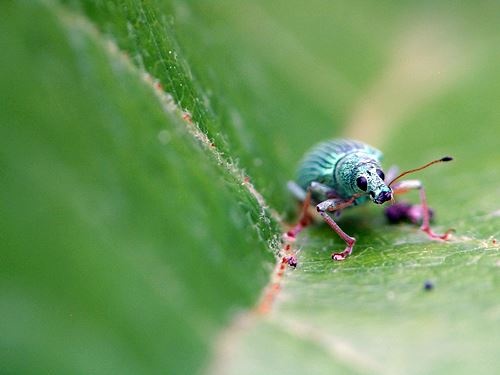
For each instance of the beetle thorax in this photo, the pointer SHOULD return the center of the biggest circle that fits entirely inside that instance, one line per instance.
(349, 168)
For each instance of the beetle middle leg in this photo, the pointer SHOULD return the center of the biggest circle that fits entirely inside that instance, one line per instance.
(304, 217)
(404, 187)
(335, 205)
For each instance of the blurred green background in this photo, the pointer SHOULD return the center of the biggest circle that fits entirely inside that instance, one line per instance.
(129, 245)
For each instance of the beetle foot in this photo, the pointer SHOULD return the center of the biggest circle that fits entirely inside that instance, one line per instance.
(446, 236)
(291, 260)
(343, 254)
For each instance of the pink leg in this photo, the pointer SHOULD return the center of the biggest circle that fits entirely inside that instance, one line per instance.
(425, 225)
(303, 219)
(405, 186)
(290, 236)
(334, 205)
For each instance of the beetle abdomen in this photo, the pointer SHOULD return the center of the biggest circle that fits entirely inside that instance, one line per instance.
(320, 162)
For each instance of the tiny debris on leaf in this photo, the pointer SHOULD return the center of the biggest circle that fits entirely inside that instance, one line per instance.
(428, 285)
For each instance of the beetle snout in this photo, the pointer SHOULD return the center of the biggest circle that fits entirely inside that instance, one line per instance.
(383, 197)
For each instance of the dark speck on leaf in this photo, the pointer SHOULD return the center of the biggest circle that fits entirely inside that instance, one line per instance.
(428, 285)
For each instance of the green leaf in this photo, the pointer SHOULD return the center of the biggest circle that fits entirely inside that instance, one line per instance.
(145, 148)
(126, 247)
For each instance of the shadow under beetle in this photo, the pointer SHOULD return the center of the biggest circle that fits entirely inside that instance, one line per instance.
(340, 173)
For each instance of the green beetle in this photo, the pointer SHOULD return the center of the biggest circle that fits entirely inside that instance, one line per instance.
(340, 173)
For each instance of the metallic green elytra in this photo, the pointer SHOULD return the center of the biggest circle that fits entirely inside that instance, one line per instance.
(340, 173)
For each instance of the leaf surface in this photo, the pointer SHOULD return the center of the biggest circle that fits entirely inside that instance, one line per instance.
(145, 149)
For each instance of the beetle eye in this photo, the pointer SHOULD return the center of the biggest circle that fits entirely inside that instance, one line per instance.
(381, 174)
(362, 183)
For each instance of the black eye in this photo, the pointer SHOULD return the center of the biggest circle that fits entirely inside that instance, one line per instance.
(381, 174)
(362, 183)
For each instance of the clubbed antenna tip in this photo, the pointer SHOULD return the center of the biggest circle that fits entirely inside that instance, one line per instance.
(446, 158)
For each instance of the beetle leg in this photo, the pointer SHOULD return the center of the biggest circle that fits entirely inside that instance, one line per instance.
(305, 197)
(304, 218)
(324, 190)
(297, 191)
(300, 194)
(405, 186)
(334, 205)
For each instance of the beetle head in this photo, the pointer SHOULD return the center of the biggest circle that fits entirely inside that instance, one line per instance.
(370, 179)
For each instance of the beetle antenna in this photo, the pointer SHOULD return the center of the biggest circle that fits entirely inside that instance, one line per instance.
(446, 158)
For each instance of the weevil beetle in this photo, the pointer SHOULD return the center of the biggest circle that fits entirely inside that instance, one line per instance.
(340, 173)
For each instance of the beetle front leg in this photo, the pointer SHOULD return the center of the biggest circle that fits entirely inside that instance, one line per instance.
(405, 186)
(305, 197)
(334, 205)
